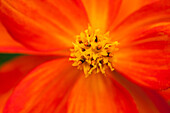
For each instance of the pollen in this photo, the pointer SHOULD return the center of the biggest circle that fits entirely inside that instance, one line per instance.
(93, 52)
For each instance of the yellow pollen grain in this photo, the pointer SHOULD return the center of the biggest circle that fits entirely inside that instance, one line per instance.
(93, 52)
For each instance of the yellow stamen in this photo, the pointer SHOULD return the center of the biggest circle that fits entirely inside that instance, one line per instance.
(93, 52)
(79, 62)
(99, 47)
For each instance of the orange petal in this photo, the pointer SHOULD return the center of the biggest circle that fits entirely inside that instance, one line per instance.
(166, 94)
(43, 25)
(15, 70)
(101, 12)
(3, 99)
(98, 94)
(144, 101)
(127, 7)
(144, 54)
(147, 16)
(9, 45)
(146, 58)
(160, 103)
(45, 89)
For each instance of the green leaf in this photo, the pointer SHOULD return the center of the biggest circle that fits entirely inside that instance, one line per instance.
(6, 57)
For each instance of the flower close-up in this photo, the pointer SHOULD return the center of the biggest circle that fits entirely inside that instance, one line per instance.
(85, 56)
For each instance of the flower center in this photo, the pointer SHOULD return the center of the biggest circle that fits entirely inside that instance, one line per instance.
(93, 52)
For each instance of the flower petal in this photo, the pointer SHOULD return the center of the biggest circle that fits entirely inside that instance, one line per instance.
(160, 103)
(144, 101)
(166, 94)
(98, 94)
(128, 7)
(13, 71)
(45, 89)
(149, 15)
(147, 61)
(8, 45)
(3, 99)
(43, 25)
(144, 54)
(101, 12)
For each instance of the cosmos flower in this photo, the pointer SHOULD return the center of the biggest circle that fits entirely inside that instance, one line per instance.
(85, 56)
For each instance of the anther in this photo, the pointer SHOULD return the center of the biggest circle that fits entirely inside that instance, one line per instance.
(91, 65)
(83, 49)
(80, 42)
(108, 54)
(99, 47)
(101, 61)
(88, 54)
(96, 39)
(82, 60)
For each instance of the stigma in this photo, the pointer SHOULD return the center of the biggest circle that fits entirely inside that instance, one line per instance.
(93, 52)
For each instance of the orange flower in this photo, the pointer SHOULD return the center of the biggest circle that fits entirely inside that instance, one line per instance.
(137, 47)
